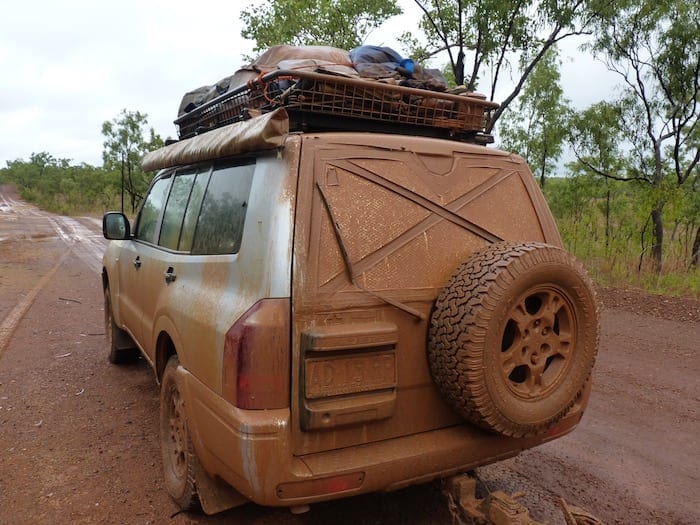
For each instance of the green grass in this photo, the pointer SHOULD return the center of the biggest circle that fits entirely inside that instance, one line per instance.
(620, 269)
(673, 284)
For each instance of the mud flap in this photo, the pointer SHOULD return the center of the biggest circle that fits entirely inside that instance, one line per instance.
(215, 495)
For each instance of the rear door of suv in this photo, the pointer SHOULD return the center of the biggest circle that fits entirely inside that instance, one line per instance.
(382, 229)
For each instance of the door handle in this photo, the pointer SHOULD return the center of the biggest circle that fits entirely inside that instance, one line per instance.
(137, 262)
(170, 275)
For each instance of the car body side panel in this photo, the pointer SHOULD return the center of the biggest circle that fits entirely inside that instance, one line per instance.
(152, 290)
(213, 291)
(209, 291)
(125, 278)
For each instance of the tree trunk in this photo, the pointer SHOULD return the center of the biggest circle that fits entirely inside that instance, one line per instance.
(459, 69)
(607, 223)
(132, 189)
(544, 166)
(695, 255)
(122, 172)
(657, 247)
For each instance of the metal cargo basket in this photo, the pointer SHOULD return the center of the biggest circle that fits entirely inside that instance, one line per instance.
(325, 101)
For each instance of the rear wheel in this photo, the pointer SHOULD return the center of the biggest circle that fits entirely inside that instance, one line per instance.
(513, 337)
(179, 460)
(120, 347)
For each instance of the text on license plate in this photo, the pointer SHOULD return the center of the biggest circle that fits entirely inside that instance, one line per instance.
(333, 376)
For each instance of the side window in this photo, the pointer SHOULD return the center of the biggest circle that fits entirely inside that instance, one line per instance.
(175, 210)
(221, 219)
(146, 229)
(190, 221)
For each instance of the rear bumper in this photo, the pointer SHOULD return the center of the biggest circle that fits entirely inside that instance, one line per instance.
(252, 451)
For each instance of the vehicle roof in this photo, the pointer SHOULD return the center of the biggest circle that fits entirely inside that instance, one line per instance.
(270, 131)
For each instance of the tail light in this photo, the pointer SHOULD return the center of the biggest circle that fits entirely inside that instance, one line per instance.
(256, 363)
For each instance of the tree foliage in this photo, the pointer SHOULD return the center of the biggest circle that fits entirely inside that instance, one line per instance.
(595, 136)
(505, 39)
(60, 186)
(654, 48)
(339, 23)
(126, 141)
(538, 125)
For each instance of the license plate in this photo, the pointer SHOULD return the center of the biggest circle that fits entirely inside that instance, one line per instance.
(338, 375)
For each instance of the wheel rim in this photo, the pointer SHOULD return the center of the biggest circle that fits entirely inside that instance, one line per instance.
(537, 343)
(176, 435)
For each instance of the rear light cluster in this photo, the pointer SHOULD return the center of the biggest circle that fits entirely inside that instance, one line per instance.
(257, 360)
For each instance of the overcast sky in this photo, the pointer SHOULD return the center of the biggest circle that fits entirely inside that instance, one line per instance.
(67, 66)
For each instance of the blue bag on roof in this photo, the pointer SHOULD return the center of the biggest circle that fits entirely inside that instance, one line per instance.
(380, 62)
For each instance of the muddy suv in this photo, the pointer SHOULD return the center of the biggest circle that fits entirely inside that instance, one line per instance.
(340, 290)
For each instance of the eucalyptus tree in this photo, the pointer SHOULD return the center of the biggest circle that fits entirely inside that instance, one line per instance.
(537, 126)
(595, 136)
(693, 213)
(127, 139)
(654, 48)
(494, 42)
(339, 23)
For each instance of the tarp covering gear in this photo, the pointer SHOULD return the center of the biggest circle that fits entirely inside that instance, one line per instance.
(380, 62)
(330, 59)
(266, 132)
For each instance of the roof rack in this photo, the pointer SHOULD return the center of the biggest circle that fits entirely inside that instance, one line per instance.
(317, 101)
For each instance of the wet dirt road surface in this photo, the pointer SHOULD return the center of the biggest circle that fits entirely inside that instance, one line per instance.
(79, 437)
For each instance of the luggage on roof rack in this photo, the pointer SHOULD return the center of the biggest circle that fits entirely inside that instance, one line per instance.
(325, 101)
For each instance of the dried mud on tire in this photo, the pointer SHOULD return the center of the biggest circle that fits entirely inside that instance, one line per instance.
(513, 337)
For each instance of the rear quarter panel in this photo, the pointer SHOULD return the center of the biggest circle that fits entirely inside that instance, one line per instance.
(212, 291)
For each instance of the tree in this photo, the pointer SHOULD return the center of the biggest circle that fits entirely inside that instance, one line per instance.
(60, 186)
(339, 23)
(692, 213)
(125, 144)
(38, 179)
(595, 137)
(537, 127)
(654, 48)
(508, 38)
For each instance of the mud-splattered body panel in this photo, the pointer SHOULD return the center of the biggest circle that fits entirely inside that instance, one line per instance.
(347, 240)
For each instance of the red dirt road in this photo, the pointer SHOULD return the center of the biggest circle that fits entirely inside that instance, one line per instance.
(78, 436)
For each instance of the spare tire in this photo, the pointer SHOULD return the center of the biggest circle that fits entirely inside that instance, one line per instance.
(513, 337)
